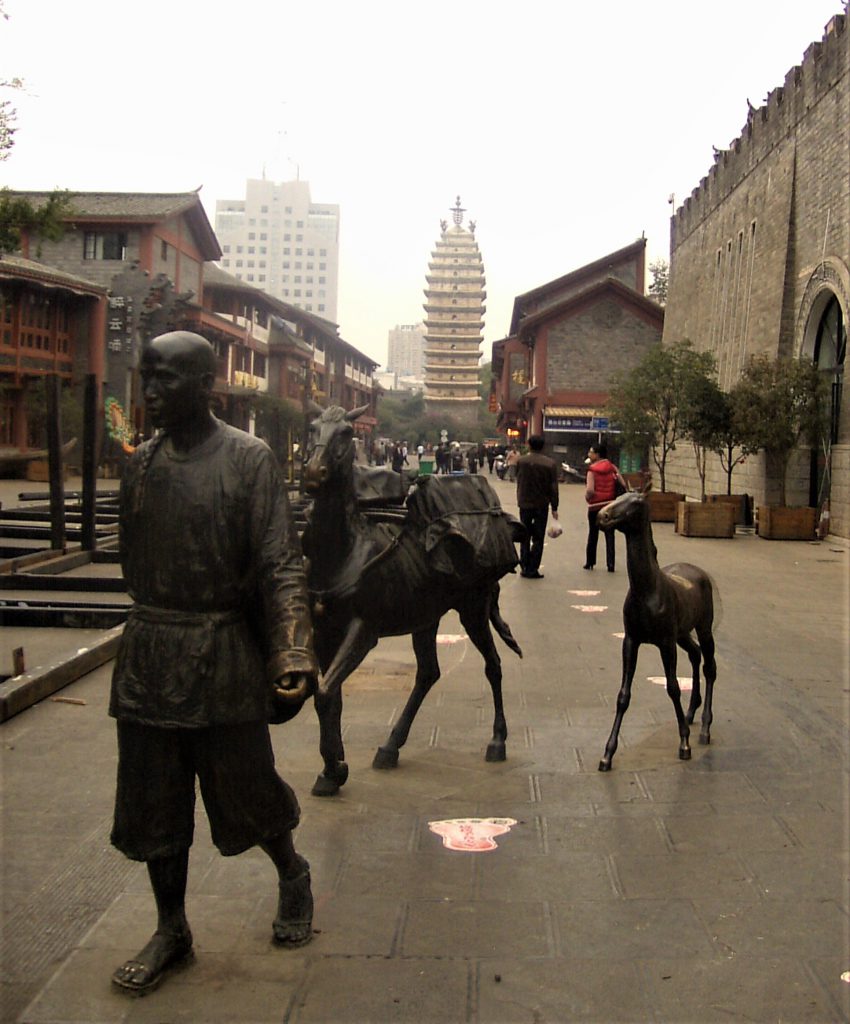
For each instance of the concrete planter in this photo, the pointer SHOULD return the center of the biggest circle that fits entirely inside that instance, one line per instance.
(783, 523)
(662, 505)
(701, 519)
(740, 502)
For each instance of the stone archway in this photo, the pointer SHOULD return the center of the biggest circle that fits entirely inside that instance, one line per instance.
(822, 337)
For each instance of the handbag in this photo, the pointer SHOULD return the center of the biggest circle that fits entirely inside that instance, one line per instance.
(618, 487)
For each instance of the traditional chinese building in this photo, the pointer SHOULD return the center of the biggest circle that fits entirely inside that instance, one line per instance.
(568, 337)
(51, 322)
(454, 308)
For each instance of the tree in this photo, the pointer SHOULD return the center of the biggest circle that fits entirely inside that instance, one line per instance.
(730, 442)
(780, 403)
(18, 216)
(703, 421)
(649, 403)
(8, 113)
(660, 270)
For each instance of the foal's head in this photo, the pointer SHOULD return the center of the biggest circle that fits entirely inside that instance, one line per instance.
(330, 447)
(627, 513)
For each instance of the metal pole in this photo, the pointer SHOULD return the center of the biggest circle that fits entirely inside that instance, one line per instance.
(90, 418)
(56, 470)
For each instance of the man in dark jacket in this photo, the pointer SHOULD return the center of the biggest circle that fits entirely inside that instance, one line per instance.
(536, 490)
(218, 643)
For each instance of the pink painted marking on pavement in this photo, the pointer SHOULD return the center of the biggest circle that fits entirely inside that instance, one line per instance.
(471, 835)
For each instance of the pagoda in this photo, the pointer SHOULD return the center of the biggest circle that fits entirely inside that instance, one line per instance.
(454, 321)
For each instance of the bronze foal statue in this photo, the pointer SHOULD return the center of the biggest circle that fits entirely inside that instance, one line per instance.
(664, 606)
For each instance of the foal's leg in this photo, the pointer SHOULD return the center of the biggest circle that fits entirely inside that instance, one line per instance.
(668, 657)
(475, 618)
(427, 673)
(706, 642)
(630, 653)
(691, 648)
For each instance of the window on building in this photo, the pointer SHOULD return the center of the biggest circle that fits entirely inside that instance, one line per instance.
(299, 238)
(239, 248)
(264, 209)
(252, 237)
(323, 252)
(250, 277)
(287, 238)
(298, 252)
(299, 223)
(323, 266)
(105, 245)
(163, 250)
(310, 252)
(225, 248)
(264, 237)
(250, 248)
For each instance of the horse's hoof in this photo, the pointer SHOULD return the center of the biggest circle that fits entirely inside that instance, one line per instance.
(704, 739)
(495, 752)
(385, 758)
(685, 755)
(605, 766)
(330, 784)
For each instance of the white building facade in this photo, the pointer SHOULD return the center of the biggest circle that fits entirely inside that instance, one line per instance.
(279, 240)
(406, 350)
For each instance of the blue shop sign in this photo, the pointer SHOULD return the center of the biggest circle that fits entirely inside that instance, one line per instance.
(567, 423)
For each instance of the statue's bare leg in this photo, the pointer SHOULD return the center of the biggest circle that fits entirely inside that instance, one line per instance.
(293, 925)
(171, 943)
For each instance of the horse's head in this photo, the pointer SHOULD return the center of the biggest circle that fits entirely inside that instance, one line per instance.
(330, 447)
(625, 513)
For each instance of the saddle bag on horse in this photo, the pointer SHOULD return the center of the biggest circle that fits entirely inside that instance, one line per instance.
(462, 526)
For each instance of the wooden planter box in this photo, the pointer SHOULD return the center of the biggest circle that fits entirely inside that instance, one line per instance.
(782, 523)
(662, 505)
(701, 519)
(740, 502)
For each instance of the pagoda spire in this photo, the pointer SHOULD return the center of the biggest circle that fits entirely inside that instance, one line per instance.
(457, 213)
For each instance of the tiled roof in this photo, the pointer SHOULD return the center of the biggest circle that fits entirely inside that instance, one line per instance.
(139, 207)
(12, 267)
(132, 205)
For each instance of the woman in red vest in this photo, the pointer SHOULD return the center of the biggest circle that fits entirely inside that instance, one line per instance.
(602, 479)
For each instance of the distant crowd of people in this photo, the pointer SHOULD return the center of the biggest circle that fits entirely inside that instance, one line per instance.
(536, 476)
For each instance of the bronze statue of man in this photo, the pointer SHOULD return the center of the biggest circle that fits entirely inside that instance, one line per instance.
(218, 644)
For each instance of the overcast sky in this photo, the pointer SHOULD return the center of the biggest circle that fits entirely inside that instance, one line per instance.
(563, 126)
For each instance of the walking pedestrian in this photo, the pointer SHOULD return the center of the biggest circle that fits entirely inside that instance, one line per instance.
(601, 489)
(536, 491)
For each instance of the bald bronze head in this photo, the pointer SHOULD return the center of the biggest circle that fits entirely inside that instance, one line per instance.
(178, 373)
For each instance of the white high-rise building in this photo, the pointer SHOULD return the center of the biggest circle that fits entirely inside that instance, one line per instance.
(406, 350)
(277, 239)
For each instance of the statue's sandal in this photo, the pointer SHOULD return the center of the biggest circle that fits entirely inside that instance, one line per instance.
(293, 925)
(144, 972)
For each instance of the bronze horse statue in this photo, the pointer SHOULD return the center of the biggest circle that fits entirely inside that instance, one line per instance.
(664, 606)
(373, 576)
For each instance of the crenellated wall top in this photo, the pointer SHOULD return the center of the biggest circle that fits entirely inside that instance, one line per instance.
(824, 65)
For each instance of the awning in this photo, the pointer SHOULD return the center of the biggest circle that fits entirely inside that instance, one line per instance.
(573, 419)
(568, 410)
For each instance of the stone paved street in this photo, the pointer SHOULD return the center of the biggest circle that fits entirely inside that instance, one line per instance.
(663, 891)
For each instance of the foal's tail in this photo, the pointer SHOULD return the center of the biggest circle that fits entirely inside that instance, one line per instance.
(499, 624)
